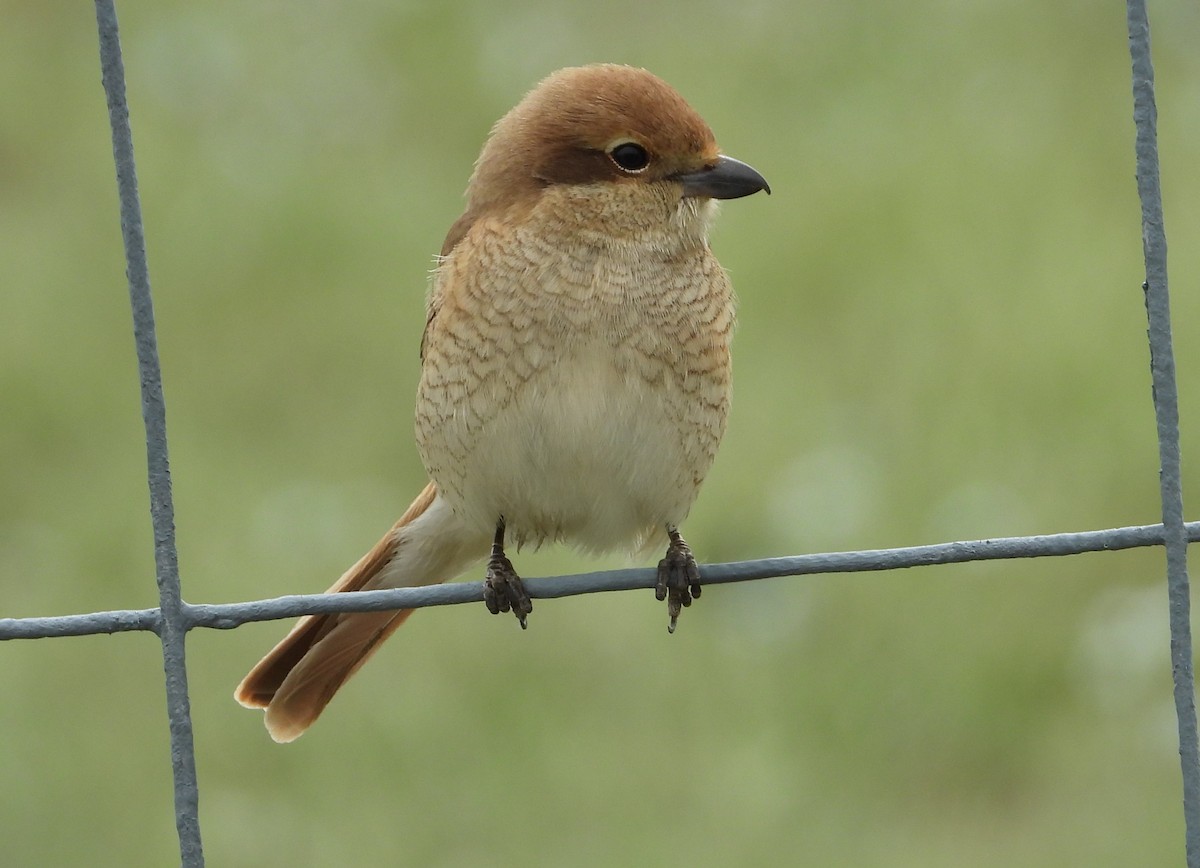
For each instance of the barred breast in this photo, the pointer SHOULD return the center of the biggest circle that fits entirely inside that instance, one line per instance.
(577, 386)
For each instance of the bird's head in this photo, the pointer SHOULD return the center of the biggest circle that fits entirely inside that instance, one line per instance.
(619, 144)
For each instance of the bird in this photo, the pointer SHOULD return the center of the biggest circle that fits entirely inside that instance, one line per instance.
(575, 366)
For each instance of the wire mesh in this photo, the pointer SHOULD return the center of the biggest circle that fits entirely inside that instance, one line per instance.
(173, 618)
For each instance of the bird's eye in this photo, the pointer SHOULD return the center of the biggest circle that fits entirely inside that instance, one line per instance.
(630, 157)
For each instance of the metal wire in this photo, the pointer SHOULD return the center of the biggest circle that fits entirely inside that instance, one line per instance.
(174, 618)
(227, 616)
(1166, 412)
(171, 625)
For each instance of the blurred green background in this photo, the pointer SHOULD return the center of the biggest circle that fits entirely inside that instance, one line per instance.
(942, 336)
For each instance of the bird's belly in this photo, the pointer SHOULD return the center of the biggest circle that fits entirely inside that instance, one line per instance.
(588, 451)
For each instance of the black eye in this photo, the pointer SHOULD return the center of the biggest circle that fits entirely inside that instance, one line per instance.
(630, 156)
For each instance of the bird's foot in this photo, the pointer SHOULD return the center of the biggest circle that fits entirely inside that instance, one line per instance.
(503, 590)
(678, 578)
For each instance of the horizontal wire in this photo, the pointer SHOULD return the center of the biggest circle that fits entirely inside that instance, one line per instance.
(226, 616)
(91, 624)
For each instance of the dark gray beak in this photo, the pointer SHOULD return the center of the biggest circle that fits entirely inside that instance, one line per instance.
(726, 179)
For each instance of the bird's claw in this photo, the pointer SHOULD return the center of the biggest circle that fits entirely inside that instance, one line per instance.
(503, 590)
(678, 578)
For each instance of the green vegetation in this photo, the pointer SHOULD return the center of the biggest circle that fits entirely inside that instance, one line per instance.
(942, 336)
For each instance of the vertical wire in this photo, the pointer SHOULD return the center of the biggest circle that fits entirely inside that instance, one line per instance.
(1166, 411)
(172, 623)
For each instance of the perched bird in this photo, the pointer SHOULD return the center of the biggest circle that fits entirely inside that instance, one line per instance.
(574, 367)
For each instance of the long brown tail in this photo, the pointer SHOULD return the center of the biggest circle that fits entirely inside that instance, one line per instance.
(296, 680)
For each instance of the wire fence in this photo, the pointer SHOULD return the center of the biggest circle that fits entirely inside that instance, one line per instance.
(173, 618)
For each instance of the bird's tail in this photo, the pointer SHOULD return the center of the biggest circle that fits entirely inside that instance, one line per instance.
(296, 680)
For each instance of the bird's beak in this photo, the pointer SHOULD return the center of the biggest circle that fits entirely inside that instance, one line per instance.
(727, 178)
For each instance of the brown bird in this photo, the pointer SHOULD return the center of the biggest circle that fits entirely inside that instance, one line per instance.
(575, 365)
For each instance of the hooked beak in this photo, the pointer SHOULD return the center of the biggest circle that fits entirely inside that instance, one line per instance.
(726, 179)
